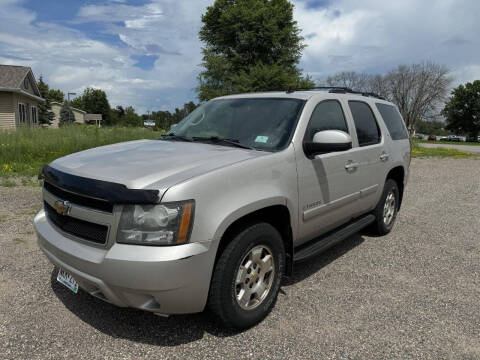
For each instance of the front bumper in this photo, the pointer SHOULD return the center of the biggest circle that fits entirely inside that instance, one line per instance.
(165, 280)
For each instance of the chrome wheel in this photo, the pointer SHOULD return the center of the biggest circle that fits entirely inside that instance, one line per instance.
(254, 277)
(389, 208)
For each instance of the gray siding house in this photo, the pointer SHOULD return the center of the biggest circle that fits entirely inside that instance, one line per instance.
(19, 97)
(79, 115)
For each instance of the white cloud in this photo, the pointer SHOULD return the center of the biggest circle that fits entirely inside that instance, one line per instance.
(375, 36)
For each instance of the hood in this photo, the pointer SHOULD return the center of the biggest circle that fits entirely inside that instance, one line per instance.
(152, 164)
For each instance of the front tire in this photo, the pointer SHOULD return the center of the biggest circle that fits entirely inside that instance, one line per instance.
(247, 276)
(386, 209)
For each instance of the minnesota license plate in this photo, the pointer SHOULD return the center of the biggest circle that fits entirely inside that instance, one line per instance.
(66, 279)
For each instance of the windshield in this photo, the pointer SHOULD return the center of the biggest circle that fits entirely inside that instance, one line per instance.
(260, 123)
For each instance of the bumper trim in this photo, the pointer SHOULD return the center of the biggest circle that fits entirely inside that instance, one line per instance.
(81, 277)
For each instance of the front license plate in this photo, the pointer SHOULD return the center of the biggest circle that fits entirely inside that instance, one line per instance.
(67, 280)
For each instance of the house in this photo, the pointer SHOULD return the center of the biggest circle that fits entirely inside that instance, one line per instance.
(93, 119)
(80, 116)
(19, 97)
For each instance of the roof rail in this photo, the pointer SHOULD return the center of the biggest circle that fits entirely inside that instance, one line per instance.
(337, 90)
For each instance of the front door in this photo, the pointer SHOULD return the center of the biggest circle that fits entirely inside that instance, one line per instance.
(328, 184)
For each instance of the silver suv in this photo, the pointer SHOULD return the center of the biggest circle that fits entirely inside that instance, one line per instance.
(215, 212)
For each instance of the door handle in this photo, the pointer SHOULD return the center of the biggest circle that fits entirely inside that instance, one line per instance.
(349, 166)
(384, 156)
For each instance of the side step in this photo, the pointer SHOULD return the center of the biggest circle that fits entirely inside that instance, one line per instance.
(320, 244)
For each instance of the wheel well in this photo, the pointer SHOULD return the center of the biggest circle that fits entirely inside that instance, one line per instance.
(398, 174)
(278, 216)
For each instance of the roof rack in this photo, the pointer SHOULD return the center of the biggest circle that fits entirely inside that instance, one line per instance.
(338, 90)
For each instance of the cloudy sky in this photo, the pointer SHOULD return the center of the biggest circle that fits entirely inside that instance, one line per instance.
(146, 53)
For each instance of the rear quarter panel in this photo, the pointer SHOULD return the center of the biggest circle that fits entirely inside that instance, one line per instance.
(399, 150)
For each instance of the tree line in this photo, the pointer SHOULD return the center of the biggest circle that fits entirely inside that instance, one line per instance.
(95, 101)
(255, 45)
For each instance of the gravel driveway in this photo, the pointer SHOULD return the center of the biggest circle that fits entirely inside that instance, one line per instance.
(474, 149)
(412, 294)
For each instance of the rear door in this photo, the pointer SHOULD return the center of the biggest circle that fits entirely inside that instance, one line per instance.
(369, 158)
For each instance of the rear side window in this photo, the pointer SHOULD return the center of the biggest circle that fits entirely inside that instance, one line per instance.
(393, 120)
(368, 132)
(328, 115)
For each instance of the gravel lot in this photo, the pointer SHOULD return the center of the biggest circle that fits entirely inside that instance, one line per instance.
(412, 294)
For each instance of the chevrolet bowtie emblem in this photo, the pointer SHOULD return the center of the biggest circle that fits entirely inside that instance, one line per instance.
(62, 207)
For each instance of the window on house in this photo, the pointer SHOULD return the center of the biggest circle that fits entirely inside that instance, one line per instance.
(25, 83)
(34, 115)
(368, 132)
(22, 113)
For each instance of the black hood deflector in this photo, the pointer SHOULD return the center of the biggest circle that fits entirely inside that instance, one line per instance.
(112, 192)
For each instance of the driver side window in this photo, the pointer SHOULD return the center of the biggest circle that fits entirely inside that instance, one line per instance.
(328, 115)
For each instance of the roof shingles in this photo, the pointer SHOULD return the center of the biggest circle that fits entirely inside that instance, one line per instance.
(11, 76)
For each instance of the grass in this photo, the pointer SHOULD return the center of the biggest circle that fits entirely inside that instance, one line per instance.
(18, 241)
(23, 152)
(420, 151)
(449, 142)
(7, 183)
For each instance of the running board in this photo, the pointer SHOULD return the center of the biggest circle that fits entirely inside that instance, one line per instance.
(320, 244)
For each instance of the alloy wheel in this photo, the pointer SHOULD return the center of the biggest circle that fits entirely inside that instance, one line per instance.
(389, 208)
(254, 277)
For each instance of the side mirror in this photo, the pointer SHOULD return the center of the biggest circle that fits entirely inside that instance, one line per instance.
(328, 141)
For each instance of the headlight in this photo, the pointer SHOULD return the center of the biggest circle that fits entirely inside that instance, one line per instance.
(163, 224)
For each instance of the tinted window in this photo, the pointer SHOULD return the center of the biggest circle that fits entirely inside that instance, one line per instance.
(328, 115)
(368, 132)
(393, 120)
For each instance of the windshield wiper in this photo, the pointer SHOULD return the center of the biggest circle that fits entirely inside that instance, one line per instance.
(175, 137)
(216, 139)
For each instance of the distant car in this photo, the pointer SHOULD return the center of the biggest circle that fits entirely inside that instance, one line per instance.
(443, 138)
(432, 138)
(418, 136)
(454, 138)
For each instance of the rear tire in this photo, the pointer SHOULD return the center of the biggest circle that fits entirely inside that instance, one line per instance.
(386, 210)
(247, 276)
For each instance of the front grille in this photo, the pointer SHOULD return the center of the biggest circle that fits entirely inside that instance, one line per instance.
(83, 229)
(97, 204)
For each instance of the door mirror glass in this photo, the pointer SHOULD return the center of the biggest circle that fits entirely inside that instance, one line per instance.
(328, 141)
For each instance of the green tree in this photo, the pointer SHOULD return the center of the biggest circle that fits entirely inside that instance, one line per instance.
(116, 115)
(165, 119)
(45, 114)
(250, 45)
(94, 101)
(56, 95)
(131, 118)
(66, 115)
(432, 127)
(462, 111)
